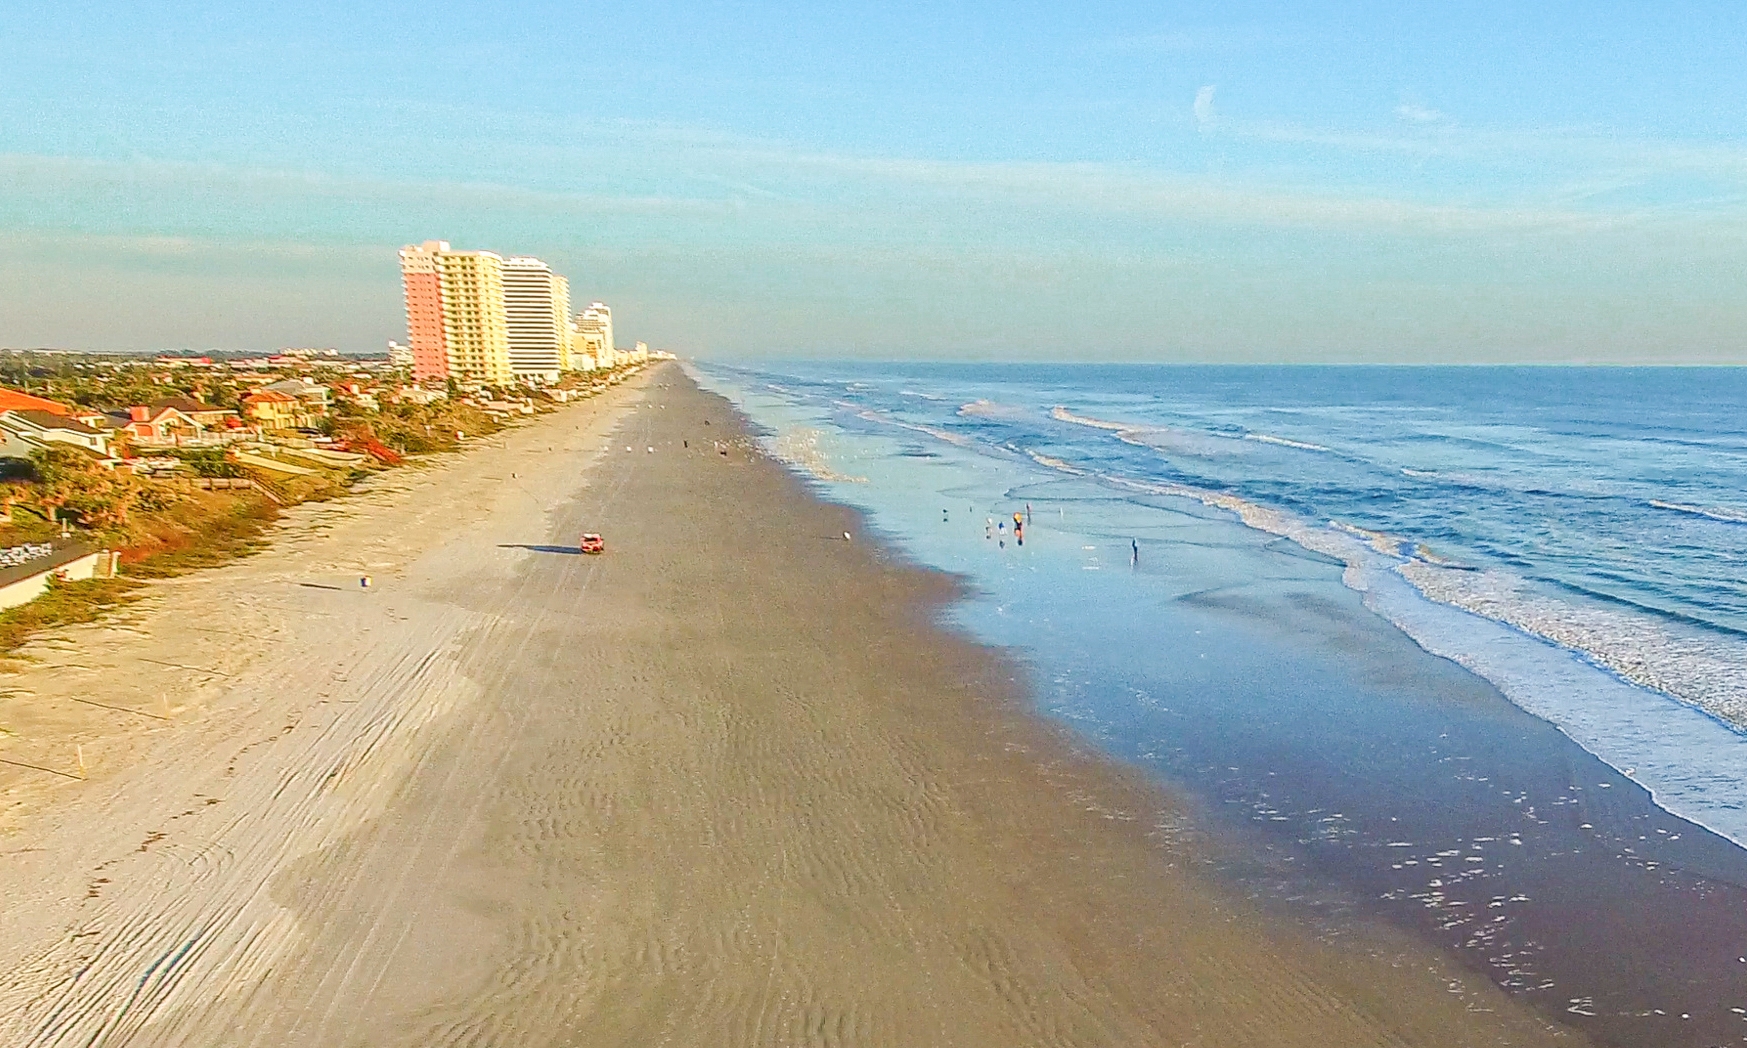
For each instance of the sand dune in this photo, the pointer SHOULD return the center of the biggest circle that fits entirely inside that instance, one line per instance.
(726, 785)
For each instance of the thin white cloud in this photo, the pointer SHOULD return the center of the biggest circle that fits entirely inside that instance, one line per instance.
(1574, 148)
(1204, 114)
(1418, 114)
(1204, 39)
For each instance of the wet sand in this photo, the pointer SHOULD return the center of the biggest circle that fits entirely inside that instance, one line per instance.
(725, 785)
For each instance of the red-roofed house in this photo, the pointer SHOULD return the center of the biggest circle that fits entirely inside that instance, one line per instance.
(13, 400)
(176, 420)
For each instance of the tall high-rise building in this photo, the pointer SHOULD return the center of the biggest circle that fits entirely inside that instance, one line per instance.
(595, 326)
(473, 316)
(424, 309)
(561, 319)
(475, 325)
(537, 308)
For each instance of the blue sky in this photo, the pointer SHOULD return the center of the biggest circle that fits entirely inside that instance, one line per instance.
(1363, 182)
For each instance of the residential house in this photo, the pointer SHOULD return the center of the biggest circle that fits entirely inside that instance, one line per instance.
(418, 395)
(173, 421)
(313, 396)
(208, 415)
(25, 431)
(155, 427)
(270, 410)
(15, 400)
(358, 394)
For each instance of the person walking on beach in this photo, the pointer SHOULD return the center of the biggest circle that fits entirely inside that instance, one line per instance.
(988, 527)
(1134, 554)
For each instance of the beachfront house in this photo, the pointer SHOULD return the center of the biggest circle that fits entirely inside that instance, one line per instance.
(17, 400)
(23, 431)
(313, 397)
(271, 410)
(209, 416)
(175, 421)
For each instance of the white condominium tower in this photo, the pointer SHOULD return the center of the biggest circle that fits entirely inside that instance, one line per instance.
(536, 308)
(595, 326)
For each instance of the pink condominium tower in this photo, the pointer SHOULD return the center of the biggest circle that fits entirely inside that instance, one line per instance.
(424, 309)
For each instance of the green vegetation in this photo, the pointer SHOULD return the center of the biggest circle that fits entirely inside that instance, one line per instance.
(415, 429)
(206, 462)
(66, 483)
(208, 528)
(165, 527)
(105, 383)
(199, 529)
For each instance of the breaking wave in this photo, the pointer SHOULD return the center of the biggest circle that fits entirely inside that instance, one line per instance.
(1723, 513)
(1536, 649)
(1264, 438)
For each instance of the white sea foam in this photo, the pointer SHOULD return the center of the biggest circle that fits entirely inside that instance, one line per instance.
(1706, 672)
(1640, 694)
(1283, 442)
(1061, 414)
(1158, 438)
(1056, 464)
(870, 415)
(1727, 514)
(802, 448)
(990, 409)
(1594, 673)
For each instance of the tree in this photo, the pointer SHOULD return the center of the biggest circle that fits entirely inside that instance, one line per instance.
(69, 478)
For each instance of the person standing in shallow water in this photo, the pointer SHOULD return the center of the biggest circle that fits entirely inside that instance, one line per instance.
(1134, 553)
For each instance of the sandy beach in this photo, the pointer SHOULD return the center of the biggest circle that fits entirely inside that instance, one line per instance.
(728, 784)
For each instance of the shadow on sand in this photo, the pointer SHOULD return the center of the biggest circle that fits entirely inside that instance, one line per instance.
(571, 550)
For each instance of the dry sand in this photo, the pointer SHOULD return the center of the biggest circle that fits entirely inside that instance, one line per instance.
(726, 785)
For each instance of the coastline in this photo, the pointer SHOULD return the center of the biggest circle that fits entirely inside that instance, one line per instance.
(1363, 774)
(729, 784)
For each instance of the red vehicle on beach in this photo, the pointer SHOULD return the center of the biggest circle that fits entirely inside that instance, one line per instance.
(592, 543)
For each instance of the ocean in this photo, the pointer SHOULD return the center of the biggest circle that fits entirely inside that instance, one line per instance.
(1460, 649)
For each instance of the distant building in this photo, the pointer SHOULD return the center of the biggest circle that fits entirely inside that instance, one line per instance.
(359, 395)
(456, 321)
(594, 330)
(474, 324)
(537, 311)
(272, 410)
(417, 395)
(314, 397)
(425, 327)
(399, 356)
